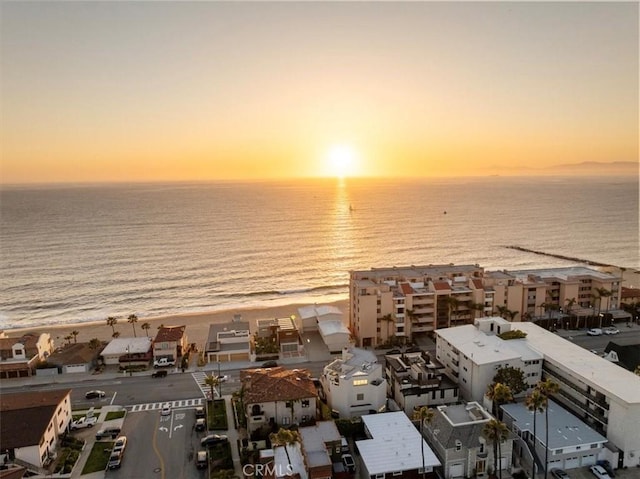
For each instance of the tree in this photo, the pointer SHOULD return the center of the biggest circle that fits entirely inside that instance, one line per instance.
(534, 403)
(499, 394)
(452, 305)
(146, 327)
(512, 314)
(115, 335)
(284, 437)
(213, 382)
(423, 414)
(476, 307)
(68, 338)
(112, 321)
(389, 319)
(75, 333)
(637, 370)
(511, 377)
(95, 343)
(496, 432)
(133, 319)
(502, 310)
(547, 388)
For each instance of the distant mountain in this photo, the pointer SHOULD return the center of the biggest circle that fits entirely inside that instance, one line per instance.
(583, 168)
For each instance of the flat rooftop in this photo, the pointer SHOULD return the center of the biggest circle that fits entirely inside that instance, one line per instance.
(465, 414)
(561, 273)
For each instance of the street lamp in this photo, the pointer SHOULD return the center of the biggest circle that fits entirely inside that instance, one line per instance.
(219, 379)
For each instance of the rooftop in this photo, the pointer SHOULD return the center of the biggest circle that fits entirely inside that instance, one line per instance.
(395, 445)
(464, 414)
(170, 333)
(120, 346)
(333, 326)
(315, 439)
(565, 274)
(317, 311)
(354, 361)
(590, 368)
(80, 353)
(276, 384)
(221, 331)
(566, 429)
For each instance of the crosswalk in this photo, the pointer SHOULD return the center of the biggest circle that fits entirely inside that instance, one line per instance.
(199, 377)
(177, 404)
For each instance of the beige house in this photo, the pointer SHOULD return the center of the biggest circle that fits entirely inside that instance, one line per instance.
(19, 356)
(275, 397)
(31, 425)
(170, 343)
(228, 342)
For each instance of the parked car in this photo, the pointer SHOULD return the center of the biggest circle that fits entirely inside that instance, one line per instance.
(559, 474)
(611, 330)
(606, 465)
(349, 463)
(111, 432)
(212, 439)
(95, 394)
(200, 412)
(163, 362)
(166, 409)
(595, 332)
(115, 460)
(599, 472)
(120, 444)
(344, 445)
(269, 364)
(201, 424)
(202, 459)
(159, 374)
(84, 422)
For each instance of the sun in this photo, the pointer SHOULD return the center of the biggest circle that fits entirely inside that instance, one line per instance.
(342, 161)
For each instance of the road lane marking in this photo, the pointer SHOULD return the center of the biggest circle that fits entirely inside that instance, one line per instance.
(155, 449)
(113, 398)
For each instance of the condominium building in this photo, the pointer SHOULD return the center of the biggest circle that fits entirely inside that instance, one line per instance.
(602, 394)
(402, 302)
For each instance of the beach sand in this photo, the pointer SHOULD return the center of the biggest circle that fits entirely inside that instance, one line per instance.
(197, 324)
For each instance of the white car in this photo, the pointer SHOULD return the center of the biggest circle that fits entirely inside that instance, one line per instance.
(166, 409)
(595, 332)
(120, 444)
(163, 362)
(599, 472)
(84, 422)
(611, 330)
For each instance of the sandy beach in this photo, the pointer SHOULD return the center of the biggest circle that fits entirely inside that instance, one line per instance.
(197, 323)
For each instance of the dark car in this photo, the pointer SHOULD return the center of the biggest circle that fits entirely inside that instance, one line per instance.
(212, 439)
(270, 364)
(94, 394)
(559, 474)
(162, 373)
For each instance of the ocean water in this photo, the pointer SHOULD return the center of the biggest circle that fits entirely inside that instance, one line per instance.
(82, 253)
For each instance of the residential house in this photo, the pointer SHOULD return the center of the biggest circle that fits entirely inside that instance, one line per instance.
(275, 397)
(170, 343)
(572, 443)
(123, 351)
(31, 424)
(627, 352)
(329, 322)
(281, 463)
(321, 448)
(20, 356)
(228, 342)
(456, 434)
(283, 333)
(416, 380)
(74, 358)
(395, 449)
(354, 384)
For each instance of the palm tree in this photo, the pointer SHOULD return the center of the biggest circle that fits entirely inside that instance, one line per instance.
(75, 333)
(95, 343)
(535, 403)
(115, 335)
(146, 327)
(601, 293)
(496, 432)
(423, 414)
(389, 319)
(284, 437)
(476, 308)
(546, 389)
(502, 310)
(111, 321)
(213, 382)
(512, 314)
(499, 394)
(68, 338)
(133, 319)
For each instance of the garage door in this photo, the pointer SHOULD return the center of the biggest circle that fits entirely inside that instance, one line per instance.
(589, 460)
(76, 369)
(571, 462)
(456, 470)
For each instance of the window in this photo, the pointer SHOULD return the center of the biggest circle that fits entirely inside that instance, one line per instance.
(397, 473)
(458, 445)
(360, 382)
(304, 418)
(288, 403)
(359, 397)
(285, 421)
(442, 394)
(305, 403)
(379, 476)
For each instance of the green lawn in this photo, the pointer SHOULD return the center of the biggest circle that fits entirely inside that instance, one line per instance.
(220, 459)
(217, 415)
(98, 457)
(115, 415)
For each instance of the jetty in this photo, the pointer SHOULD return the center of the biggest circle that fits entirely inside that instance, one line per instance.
(561, 256)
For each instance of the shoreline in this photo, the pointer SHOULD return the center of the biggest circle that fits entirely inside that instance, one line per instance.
(197, 323)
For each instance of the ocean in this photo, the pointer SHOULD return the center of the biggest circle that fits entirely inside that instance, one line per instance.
(77, 253)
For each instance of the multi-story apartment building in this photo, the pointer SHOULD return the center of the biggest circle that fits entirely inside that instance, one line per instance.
(406, 301)
(413, 300)
(354, 384)
(599, 392)
(472, 355)
(415, 380)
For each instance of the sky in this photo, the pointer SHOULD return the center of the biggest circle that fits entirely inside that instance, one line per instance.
(160, 91)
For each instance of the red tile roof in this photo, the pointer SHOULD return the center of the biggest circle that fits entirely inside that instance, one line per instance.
(441, 286)
(276, 384)
(406, 288)
(477, 283)
(170, 333)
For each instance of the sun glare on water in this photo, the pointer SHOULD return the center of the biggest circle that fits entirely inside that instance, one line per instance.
(342, 161)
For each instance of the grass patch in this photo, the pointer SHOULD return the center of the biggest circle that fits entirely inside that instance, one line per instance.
(217, 415)
(98, 457)
(220, 458)
(115, 415)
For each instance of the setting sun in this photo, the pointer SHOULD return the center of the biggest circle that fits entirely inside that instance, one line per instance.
(342, 161)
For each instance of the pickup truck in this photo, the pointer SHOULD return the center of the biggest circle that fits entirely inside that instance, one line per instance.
(158, 363)
(84, 422)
